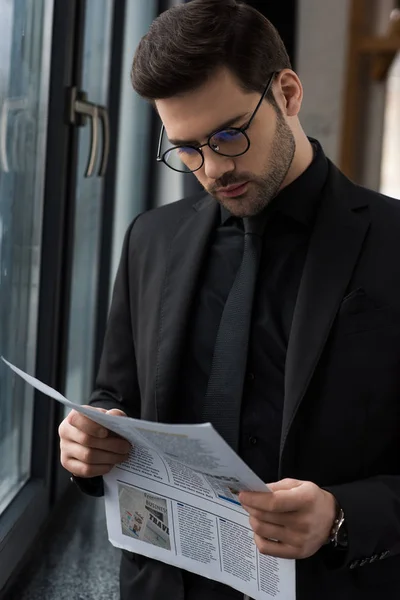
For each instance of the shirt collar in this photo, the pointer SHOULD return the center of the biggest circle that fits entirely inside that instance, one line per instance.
(298, 200)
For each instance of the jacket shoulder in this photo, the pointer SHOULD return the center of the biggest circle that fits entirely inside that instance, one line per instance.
(164, 218)
(384, 209)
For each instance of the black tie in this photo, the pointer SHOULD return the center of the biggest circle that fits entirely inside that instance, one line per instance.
(225, 386)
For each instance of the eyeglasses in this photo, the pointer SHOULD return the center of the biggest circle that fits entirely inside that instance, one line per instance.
(232, 141)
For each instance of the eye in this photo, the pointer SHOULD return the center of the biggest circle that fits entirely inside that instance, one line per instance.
(227, 135)
(186, 150)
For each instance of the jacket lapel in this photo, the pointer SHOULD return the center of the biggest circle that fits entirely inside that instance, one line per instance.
(186, 254)
(335, 245)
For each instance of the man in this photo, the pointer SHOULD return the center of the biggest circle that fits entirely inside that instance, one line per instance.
(311, 396)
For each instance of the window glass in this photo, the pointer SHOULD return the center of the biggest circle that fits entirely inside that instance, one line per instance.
(88, 209)
(24, 78)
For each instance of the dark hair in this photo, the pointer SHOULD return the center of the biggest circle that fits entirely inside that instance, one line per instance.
(188, 42)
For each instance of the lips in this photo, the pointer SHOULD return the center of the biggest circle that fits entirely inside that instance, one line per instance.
(233, 190)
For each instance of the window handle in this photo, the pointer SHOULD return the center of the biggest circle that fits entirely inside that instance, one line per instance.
(105, 122)
(3, 136)
(80, 110)
(9, 105)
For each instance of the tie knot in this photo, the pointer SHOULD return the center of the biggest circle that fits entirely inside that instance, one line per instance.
(254, 225)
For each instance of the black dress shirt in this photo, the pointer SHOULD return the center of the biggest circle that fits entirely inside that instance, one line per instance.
(289, 222)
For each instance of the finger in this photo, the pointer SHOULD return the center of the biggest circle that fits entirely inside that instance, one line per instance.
(276, 533)
(279, 486)
(276, 549)
(83, 423)
(91, 456)
(115, 412)
(284, 484)
(79, 469)
(117, 445)
(280, 501)
(275, 518)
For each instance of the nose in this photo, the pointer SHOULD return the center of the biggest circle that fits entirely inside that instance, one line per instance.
(216, 165)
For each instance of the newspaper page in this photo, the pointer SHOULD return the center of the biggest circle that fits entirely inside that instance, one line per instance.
(175, 499)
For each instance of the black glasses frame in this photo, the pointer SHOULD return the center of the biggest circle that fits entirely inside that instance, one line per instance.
(208, 143)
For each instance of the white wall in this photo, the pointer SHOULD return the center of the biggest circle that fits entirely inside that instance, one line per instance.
(390, 181)
(322, 32)
(322, 45)
(376, 97)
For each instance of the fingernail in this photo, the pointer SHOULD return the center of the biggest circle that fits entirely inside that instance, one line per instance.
(103, 432)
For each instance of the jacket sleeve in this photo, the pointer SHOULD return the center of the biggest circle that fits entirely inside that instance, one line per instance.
(372, 512)
(116, 383)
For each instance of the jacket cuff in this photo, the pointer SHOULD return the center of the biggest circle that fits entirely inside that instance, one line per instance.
(371, 511)
(92, 486)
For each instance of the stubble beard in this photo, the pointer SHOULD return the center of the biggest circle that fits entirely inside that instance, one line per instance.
(264, 188)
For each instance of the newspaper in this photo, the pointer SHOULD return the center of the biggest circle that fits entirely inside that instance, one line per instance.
(175, 499)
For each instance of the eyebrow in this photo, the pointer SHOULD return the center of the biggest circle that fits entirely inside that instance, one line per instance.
(229, 123)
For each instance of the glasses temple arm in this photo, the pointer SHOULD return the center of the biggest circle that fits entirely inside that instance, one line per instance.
(265, 92)
(160, 141)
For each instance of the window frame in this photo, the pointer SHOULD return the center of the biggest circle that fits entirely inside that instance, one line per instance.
(22, 520)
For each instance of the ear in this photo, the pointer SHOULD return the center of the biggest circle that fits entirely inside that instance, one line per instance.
(289, 92)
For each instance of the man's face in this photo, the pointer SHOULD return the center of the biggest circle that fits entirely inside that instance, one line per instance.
(262, 169)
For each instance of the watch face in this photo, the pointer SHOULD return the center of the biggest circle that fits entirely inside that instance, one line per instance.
(341, 537)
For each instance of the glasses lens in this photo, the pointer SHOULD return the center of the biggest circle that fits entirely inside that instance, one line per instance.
(183, 159)
(229, 142)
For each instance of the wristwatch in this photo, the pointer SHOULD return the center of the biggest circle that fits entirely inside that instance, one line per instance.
(338, 537)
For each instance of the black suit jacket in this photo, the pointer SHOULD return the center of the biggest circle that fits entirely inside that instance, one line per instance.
(341, 421)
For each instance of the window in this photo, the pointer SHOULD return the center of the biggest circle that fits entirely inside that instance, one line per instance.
(56, 230)
(24, 74)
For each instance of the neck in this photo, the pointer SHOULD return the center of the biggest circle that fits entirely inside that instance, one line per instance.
(302, 159)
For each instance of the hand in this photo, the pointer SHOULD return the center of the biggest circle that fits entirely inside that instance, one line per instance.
(88, 449)
(298, 514)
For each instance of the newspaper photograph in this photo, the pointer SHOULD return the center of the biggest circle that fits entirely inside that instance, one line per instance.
(175, 499)
(143, 517)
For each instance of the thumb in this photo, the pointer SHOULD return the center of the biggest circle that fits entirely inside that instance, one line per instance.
(115, 412)
(284, 484)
